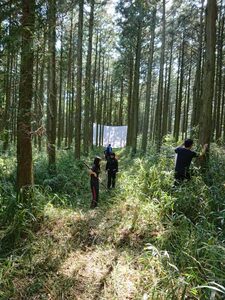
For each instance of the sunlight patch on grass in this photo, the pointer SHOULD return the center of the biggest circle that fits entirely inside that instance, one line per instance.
(90, 265)
(124, 280)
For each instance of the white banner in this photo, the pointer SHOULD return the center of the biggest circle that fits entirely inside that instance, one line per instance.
(114, 135)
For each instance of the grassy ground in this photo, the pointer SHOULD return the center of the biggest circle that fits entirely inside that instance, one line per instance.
(146, 240)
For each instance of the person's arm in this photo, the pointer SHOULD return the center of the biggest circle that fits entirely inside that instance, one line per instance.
(202, 153)
(91, 172)
(180, 146)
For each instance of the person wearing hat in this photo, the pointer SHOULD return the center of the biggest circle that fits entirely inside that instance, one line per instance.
(94, 174)
(112, 169)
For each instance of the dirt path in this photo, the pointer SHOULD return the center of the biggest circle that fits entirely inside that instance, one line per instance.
(79, 256)
(98, 268)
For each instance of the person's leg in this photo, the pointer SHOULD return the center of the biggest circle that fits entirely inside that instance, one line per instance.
(113, 179)
(188, 175)
(109, 180)
(94, 195)
(97, 193)
(179, 178)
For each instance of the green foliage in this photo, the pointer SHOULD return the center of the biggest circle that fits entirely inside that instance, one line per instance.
(191, 217)
(158, 241)
(21, 219)
(69, 182)
(192, 199)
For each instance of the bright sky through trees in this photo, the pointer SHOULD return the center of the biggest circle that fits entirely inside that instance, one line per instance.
(110, 7)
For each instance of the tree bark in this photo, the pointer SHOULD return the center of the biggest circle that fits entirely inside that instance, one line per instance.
(158, 119)
(60, 104)
(197, 88)
(149, 83)
(209, 72)
(79, 82)
(129, 100)
(87, 119)
(135, 100)
(52, 99)
(24, 145)
(179, 98)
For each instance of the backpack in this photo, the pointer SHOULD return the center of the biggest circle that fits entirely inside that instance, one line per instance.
(108, 150)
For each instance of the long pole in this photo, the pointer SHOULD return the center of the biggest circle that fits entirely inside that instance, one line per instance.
(98, 178)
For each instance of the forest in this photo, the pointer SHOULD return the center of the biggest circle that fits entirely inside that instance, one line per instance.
(68, 70)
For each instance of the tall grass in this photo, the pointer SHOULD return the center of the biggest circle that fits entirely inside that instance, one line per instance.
(163, 242)
(190, 247)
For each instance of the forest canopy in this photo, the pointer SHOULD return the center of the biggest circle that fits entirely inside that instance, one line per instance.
(154, 66)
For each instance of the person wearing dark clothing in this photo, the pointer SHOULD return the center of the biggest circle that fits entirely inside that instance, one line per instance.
(94, 173)
(112, 169)
(108, 151)
(183, 160)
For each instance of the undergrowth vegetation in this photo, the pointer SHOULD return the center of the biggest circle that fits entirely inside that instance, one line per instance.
(146, 240)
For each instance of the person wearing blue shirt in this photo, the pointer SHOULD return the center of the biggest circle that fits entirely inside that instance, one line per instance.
(108, 151)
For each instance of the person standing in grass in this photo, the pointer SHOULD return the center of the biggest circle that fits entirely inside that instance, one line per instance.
(94, 173)
(112, 168)
(185, 154)
(108, 151)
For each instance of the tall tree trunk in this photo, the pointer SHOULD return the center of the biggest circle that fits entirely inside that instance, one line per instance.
(218, 93)
(120, 121)
(60, 104)
(79, 82)
(197, 88)
(149, 83)
(15, 92)
(109, 114)
(129, 100)
(101, 95)
(36, 80)
(209, 72)
(222, 119)
(40, 106)
(8, 101)
(179, 98)
(135, 97)
(188, 99)
(167, 92)
(70, 95)
(87, 119)
(52, 99)
(158, 119)
(24, 145)
(106, 97)
(92, 104)
(98, 100)
(8, 86)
